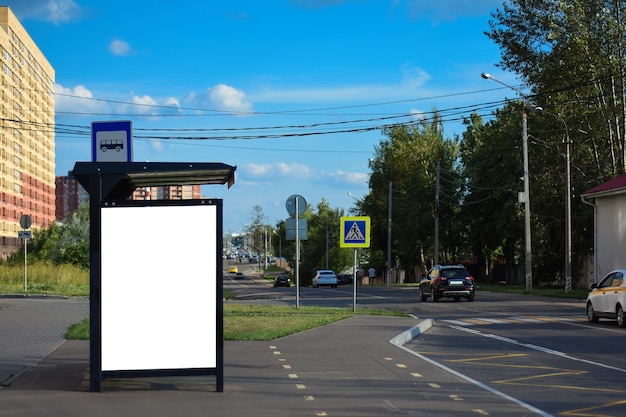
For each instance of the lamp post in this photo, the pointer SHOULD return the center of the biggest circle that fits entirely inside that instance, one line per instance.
(280, 246)
(568, 205)
(528, 265)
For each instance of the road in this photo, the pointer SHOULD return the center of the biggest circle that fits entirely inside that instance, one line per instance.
(537, 352)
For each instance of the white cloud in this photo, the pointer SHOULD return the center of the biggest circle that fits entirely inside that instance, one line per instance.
(360, 178)
(295, 170)
(173, 102)
(144, 101)
(229, 98)
(258, 173)
(119, 47)
(62, 11)
(78, 99)
(259, 170)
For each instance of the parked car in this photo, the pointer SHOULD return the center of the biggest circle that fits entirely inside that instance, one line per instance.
(607, 299)
(344, 279)
(452, 281)
(233, 270)
(282, 281)
(325, 277)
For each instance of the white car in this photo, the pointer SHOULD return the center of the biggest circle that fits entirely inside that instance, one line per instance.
(325, 277)
(607, 299)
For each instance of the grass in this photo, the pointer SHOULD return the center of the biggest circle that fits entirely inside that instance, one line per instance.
(44, 278)
(263, 322)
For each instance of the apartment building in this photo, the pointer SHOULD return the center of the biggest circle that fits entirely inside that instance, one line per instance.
(27, 181)
(70, 196)
(172, 192)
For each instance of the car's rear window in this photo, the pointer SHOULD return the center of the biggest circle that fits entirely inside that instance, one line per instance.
(454, 273)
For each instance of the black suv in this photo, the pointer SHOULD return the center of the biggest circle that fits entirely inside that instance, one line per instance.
(452, 281)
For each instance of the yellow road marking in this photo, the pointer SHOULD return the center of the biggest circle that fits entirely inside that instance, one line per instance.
(309, 398)
(400, 365)
(293, 376)
(300, 386)
(583, 412)
(286, 366)
(481, 412)
(433, 385)
(476, 321)
(416, 375)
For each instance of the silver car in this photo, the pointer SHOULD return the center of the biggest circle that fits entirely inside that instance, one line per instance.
(325, 277)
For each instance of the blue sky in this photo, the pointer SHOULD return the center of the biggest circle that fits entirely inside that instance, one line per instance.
(292, 92)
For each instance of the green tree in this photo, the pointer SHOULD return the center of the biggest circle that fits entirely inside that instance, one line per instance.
(407, 162)
(65, 242)
(570, 55)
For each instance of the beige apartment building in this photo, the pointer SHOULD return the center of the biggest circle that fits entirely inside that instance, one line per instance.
(26, 133)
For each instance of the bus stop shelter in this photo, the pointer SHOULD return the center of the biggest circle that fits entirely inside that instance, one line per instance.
(156, 304)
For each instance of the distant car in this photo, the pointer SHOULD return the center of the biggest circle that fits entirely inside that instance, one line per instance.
(452, 281)
(282, 281)
(239, 275)
(344, 279)
(325, 277)
(607, 299)
(233, 270)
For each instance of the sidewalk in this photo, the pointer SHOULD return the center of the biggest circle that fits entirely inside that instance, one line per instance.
(348, 368)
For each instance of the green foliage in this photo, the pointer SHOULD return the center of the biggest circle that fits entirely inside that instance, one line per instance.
(65, 242)
(407, 162)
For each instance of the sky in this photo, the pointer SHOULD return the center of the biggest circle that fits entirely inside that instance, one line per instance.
(294, 93)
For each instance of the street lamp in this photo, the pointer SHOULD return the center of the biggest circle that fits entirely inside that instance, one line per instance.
(568, 206)
(528, 265)
(280, 247)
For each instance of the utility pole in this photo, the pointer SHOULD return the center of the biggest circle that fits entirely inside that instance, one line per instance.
(436, 254)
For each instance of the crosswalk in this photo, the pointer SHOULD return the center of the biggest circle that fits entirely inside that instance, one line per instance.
(484, 321)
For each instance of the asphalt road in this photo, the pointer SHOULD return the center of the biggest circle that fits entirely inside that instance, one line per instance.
(537, 352)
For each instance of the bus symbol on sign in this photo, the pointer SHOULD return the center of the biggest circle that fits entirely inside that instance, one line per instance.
(107, 144)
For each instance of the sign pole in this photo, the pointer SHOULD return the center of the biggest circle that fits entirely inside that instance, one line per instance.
(297, 259)
(25, 266)
(354, 284)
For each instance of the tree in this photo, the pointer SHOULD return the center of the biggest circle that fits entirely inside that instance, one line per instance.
(407, 162)
(65, 242)
(570, 54)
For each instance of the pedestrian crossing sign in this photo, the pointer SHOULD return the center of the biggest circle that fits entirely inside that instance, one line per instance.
(355, 232)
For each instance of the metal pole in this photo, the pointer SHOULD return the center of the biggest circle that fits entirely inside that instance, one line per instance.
(389, 236)
(568, 217)
(528, 251)
(25, 266)
(354, 284)
(297, 258)
(436, 254)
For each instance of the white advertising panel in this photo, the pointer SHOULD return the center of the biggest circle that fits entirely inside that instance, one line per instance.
(158, 287)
